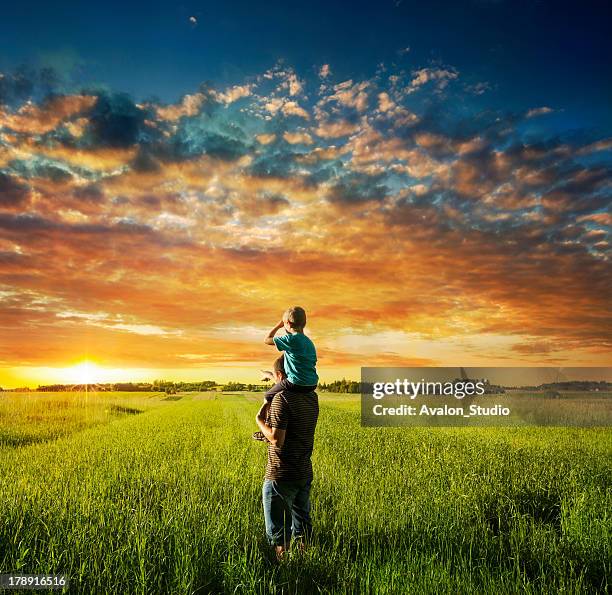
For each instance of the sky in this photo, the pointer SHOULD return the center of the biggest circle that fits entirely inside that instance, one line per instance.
(430, 181)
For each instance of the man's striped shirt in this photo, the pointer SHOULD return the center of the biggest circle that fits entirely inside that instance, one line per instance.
(297, 413)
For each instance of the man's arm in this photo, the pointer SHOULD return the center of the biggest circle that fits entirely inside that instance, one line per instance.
(267, 375)
(275, 436)
(269, 340)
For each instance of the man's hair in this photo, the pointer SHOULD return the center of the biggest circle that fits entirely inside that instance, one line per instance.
(279, 365)
(296, 317)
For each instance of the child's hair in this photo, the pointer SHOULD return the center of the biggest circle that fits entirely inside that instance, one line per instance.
(296, 317)
(279, 365)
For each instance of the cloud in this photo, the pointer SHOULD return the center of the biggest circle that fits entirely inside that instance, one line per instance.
(538, 111)
(351, 95)
(357, 188)
(385, 103)
(478, 88)
(535, 347)
(13, 193)
(439, 76)
(298, 138)
(274, 105)
(265, 139)
(295, 85)
(116, 122)
(32, 118)
(188, 106)
(600, 145)
(221, 136)
(155, 225)
(602, 218)
(282, 105)
(292, 108)
(329, 129)
(262, 204)
(29, 83)
(234, 93)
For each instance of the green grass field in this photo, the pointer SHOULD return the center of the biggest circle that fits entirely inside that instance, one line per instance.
(131, 493)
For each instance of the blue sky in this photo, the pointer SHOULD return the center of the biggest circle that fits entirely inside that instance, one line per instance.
(526, 53)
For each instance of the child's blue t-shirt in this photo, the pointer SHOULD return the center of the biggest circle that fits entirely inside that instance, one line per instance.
(300, 358)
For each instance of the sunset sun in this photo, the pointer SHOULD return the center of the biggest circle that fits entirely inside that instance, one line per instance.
(86, 372)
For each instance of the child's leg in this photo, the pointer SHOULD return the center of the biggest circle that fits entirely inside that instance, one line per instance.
(299, 388)
(284, 384)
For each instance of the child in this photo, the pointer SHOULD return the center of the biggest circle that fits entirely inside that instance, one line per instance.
(299, 361)
(300, 354)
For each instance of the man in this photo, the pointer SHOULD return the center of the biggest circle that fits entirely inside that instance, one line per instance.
(288, 424)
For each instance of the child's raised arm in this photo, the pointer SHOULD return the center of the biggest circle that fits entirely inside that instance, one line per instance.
(269, 340)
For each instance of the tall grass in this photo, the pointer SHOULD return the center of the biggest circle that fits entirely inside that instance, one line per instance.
(26, 418)
(169, 501)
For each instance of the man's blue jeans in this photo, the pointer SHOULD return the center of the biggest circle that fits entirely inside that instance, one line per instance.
(286, 510)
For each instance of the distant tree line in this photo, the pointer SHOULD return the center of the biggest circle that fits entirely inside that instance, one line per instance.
(163, 386)
(573, 385)
(336, 386)
(170, 387)
(341, 386)
(239, 386)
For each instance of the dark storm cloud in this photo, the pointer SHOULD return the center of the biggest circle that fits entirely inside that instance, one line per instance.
(25, 223)
(276, 200)
(358, 188)
(91, 193)
(116, 121)
(29, 222)
(210, 143)
(12, 191)
(213, 131)
(274, 162)
(26, 82)
(145, 161)
(36, 168)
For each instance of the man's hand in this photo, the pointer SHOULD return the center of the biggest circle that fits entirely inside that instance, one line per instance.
(267, 375)
(275, 436)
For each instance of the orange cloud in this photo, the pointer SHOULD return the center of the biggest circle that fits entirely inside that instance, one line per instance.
(34, 119)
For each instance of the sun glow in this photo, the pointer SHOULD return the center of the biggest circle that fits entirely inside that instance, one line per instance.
(85, 372)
